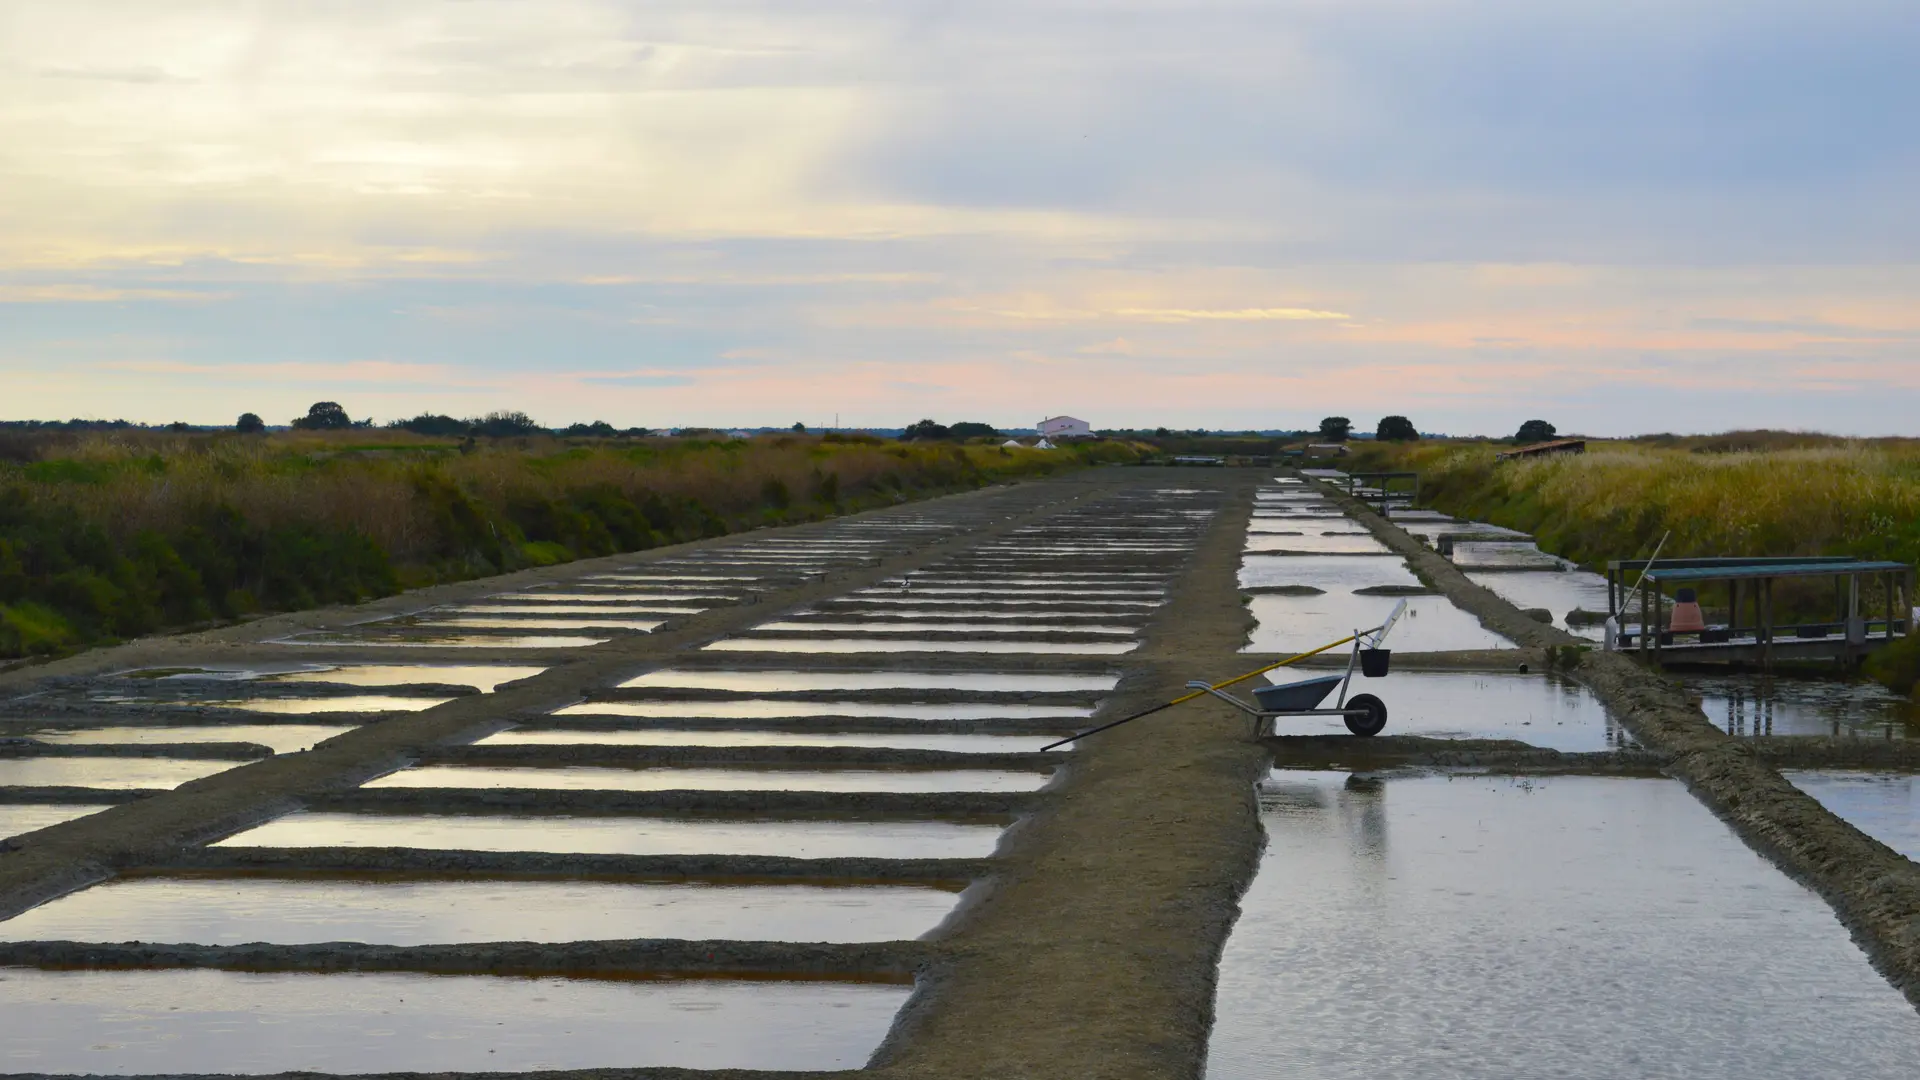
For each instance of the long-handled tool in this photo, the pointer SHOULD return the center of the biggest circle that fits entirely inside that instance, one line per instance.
(1376, 635)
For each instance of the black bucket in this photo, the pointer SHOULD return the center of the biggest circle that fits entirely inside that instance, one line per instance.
(1374, 662)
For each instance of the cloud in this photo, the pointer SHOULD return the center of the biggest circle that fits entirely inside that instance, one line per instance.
(95, 294)
(1249, 213)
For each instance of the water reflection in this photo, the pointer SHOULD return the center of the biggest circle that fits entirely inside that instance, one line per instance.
(1574, 926)
(182, 1022)
(1759, 704)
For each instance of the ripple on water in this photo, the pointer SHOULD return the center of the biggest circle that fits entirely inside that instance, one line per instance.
(1464, 927)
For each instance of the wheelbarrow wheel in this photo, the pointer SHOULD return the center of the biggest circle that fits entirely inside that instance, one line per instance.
(1371, 723)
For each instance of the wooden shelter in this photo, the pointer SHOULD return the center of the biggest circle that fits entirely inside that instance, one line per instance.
(1752, 630)
(1557, 446)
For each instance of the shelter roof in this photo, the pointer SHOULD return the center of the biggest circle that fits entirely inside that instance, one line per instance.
(1746, 571)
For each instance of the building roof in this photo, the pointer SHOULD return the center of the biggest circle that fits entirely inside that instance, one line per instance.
(1744, 571)
(1074, 419)
(1556, 446)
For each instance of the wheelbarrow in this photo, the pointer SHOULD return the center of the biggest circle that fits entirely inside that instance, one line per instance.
(1364, 714)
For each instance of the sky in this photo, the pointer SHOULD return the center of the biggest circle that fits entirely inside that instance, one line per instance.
(1619, 216)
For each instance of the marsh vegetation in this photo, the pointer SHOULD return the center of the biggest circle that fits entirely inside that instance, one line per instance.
(109, 535)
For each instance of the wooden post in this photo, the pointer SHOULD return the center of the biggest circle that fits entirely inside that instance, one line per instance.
(1644, 620)
(1733, 608)
(1889, 580)
(1659, 616)
(1766, 623)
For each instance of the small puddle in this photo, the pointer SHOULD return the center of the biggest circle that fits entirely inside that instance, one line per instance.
(119, 1023)
(629, 836)
(755, 709)
(1884, 805)
(207, 911)
(589, 778)
(964, 744)
(1541, 710)
(844, 645)
(281, 738)
(1431, 623)
(876, 680)
(26, 817)
(108, 773)
(1571, 926)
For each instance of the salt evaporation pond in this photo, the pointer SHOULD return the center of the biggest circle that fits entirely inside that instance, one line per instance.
(1457, 926)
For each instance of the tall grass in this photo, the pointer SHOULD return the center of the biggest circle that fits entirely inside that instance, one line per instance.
(108, 535)
(1799, 495)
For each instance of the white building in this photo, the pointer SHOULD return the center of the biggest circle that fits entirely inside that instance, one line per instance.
(1065, 427)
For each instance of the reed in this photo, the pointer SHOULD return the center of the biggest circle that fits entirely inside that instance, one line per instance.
(1746, 493)
(106, 536)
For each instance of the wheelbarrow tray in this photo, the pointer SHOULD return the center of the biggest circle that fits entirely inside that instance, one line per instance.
(1297, 696)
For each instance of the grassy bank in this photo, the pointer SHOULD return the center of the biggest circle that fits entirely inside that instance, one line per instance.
(1745, 494)
(105, 537)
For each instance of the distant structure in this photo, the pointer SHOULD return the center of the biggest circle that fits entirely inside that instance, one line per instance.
(1557, 446)
(1333, 449)
(1064, 427)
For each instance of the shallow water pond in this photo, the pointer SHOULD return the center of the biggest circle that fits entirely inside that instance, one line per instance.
(1573, 926)
(26, 817)
(353, 703)
(847, 645)
(1884, 805)
(1558, 592)
(1317, 541)
(1431, 623)
(948, 627)
(442, 641)
(280, 738)
(235, 911)
(483, 677)
(869, 680)
(629, 835)
(114, 774)
(753, 708)
(1754, 704)
(962, 744)
(584, 622)
(1332, 573)
(1542, 710)
(240, 1022)
(589, 778)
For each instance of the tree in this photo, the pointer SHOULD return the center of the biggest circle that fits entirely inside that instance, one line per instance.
(324, 416)
(799, 428)
(1396, 429)
(179, 425)
(599, 428)
(505, 425)
(968, 429)
(1534, 431)
(925, 429)
(1336, 428)
(249, 424)
(432, 424)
